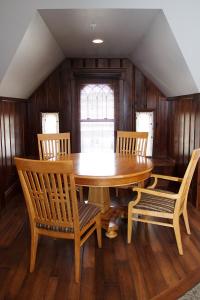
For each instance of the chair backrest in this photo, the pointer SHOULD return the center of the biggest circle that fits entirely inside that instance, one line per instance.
(49, 191)
(54, 144)
(185, 185)
(132, 142)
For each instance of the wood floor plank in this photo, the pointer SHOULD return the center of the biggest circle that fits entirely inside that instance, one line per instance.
(148, 268)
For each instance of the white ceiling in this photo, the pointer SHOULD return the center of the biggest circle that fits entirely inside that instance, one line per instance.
(121, 30)
(162, 40)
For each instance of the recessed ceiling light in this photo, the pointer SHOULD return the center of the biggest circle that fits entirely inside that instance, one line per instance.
(97, 41)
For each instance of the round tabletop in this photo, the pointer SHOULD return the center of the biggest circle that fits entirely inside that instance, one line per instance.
(109, 169)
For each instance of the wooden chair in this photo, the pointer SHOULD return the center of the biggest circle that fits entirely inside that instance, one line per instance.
(55, 145)
(50, 195)
(131, 142)
(164, 204)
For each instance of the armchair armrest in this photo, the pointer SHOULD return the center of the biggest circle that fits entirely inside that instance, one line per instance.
(156, 193)
(171, 178)
(164, 177)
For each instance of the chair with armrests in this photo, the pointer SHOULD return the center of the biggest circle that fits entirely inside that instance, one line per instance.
(53, 209)
(55, 145)
(163, 204)
(131, 142)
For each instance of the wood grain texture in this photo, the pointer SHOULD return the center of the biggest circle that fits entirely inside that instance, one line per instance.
(133, 91)
(184, 136)
(149, 268)
(108, 169)
(13, 141)
(50, 195)
(178, 203)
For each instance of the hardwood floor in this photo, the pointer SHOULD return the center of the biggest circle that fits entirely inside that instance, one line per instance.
(148, 268)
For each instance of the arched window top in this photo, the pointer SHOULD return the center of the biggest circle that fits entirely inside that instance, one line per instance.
(97, 102)
(97, 89)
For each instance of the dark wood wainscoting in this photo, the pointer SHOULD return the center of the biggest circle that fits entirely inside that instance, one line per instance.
(13, 137)
(184, 136)
(136, 92)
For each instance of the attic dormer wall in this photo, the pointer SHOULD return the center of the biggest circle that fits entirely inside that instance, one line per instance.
(184, 137)
(135, 92)
(13, 142)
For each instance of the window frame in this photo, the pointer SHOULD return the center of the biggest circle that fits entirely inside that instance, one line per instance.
(49, 112)
(110, 83)
(154, 124)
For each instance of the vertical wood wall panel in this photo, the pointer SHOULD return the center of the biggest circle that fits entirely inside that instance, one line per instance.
(59, 93)
(13, 139)
(184, 136)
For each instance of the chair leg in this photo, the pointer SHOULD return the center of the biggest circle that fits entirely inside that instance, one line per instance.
(185, 217)
(99, 233)
(178, 236)
(130, 227)
(81, 194)
(34, 244)
(77, 250)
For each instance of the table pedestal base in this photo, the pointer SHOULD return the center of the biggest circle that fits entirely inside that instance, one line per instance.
(110, 220)
(100, 196)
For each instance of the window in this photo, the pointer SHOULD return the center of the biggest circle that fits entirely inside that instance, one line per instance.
(144, 122)
(50, 122)
(97, 118)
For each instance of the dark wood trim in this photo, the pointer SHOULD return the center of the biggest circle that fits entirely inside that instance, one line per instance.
(185, 97)
(179, 289)
(9, 99)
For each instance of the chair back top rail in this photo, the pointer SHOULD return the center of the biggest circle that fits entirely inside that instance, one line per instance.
(132, 142)
(54, 144)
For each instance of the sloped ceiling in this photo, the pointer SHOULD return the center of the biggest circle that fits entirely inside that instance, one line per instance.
(36, 57)
(161, 38)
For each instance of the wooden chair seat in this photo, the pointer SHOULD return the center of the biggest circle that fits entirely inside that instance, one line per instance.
(86, 213)
(156, 203)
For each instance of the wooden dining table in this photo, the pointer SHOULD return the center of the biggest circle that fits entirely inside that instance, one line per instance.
(99, 171)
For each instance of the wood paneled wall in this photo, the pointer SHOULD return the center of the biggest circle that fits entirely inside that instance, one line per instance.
(177, 121)
(135, 92)
(184, 135)
(13, 138)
